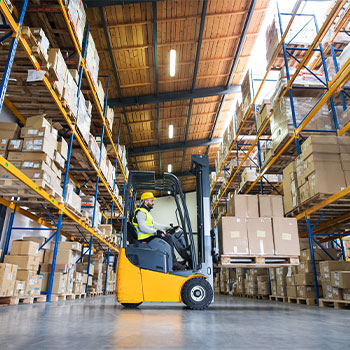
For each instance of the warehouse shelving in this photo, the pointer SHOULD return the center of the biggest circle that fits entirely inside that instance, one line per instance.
(326, 218)
(53, 207)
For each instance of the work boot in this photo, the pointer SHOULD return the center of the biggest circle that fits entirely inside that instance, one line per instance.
(178, 267)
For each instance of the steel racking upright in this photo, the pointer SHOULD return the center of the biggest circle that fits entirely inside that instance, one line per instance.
(56, 207)
(323, 223)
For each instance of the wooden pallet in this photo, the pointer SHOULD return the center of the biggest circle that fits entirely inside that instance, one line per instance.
(110, 292)
(22, 300)
(337, 304)
(278, 298)
(259, 297)
(258, 261)
(299, 300)
(80, 296)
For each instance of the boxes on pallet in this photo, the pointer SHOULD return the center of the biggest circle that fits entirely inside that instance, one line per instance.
(63, 257)
(26, 247)
(326, 267)
(306, 292)
(319, 254)
(248, 175)
(24, 262)
(286, 239)
(46, 267)
(291, 291)
(291, 198)
(70, 92)
(59, 284)
(247, 91)
(7, 279)
(264, 111)
(83, 119)
(92, 61)
(94, 148)
(57, 68)
(32, 280)
(83, 268)
(306, 267)
(340, 279)
(110, 117)
(19, 288)
(15, 145)
(72, 198)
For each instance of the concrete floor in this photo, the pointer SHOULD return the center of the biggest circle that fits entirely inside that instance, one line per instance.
(230, 323)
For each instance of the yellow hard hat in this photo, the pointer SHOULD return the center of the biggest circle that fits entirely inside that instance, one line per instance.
(147, 195)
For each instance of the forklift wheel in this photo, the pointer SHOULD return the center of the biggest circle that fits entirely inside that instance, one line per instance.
(197, 293)
(131, 305)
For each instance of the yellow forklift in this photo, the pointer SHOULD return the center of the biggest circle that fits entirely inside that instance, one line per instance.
(145, 272)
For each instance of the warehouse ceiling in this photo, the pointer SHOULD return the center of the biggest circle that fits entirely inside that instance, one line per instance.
(213, 40)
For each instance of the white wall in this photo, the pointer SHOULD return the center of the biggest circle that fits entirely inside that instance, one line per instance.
(164, 210)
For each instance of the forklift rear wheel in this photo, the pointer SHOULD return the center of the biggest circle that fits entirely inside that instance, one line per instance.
(131, 305)
(197, 293)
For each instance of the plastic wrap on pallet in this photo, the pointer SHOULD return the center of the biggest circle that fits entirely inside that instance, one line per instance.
(77, 17)
(92, 61)
(42, 40)
(302, 32)
(100, 93)
(70, 93)
(83, 120)
(72, 198)
(110, 116)
(87, 204)
(94, 148)
(58, 67)
(248, 175)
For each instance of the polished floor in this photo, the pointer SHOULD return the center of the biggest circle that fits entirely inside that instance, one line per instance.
(230, 323)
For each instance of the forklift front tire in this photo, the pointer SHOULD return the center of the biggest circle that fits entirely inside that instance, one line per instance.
(197, 293)
(131, 305)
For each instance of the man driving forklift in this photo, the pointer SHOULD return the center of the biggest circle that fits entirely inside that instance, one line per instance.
(146, 228)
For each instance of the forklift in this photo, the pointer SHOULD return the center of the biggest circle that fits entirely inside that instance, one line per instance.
(145, 272)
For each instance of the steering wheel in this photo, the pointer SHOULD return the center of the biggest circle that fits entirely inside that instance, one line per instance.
(172, 230)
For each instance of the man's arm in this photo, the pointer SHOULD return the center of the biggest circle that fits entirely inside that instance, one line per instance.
(159, 226)
(141, 220)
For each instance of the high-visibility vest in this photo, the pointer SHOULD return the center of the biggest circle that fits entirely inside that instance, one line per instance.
(149, 224)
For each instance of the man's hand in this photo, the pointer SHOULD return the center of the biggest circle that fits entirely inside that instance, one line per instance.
(163, 234)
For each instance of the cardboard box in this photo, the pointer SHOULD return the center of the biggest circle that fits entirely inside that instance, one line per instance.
(19, 288)
(304, 279)
(59, 283)
(320, 144)
(281, 290)
(319, 254)
(290, 281)
(233, 235)
(25, 156)
(15, 145)
(45, 131)
(285, 235)
(326, 267)
(9, 130)
(291, 291)
(83, 267)
(45, 281)
(3, 144)
(39, 144)
(24, 262)
(76, 246)
(270, 206)
(320, 162)
(306, 292)
(37, 122)
(329, 180)
(62, 148)
(7, 279)
(24, 248)
(337, 293)
(242, 205)
(46, 267)
(327, 289)
(260, 236)
(340, 279)
(306, 267)
(304, 192)
(63, 257)
(273, 287)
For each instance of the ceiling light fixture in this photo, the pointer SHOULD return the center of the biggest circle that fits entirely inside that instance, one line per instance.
(172, 62)
(170, 168)
(171, 131)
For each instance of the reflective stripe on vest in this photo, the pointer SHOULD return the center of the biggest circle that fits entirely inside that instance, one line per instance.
(148, 222)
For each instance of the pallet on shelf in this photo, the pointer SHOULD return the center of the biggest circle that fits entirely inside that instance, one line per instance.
(337, 304)
(278, 298)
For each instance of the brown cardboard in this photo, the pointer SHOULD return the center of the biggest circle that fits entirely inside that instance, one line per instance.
(290, 281)
(9, 130)
(260, 236)
(327, 289)
(46, 267)
(83, 267)
(319, 254)
(320, 144)
(3, 144)
(19, 288)
(24, 248)
(25, 262)
(270, 206)
(59, 283)
(337, 293)
(344, 144)
(15, 145)
(62, 148)
(45, 281)
(291, 291)
(320, 161)
(281, 290)
(38, 144)
(63, 257)
(37, 122)
(233, 235)
(306, 267)
(326, 267)
(286, 239)
(76, 246)
(304, 279)
(7, 279)
(340, 279)
(38, 239)
(306, 292)
(304, 191)
(243, 206)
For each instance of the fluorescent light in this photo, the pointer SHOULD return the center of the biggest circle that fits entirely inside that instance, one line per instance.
(171, 131)
(169, 168)
(172, 62)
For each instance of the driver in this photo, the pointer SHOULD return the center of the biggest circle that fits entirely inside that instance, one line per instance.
(147, 228)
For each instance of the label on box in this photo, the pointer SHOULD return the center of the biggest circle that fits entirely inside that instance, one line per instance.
(38, 142)
(235, 234)
(35, 75)
(27, 165)
(32, 131)
(286, 236)
(9, 276)
(15, 143)
(3, 141)
(260, 233)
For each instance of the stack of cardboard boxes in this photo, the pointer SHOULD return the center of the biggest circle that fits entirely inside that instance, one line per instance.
(26, 256)
(257, 282)
(77, 17)
(8, 281)
(111, 279)
(255, 226)
(34, 149)
(323, 167)
(97, 276)
(335, 279)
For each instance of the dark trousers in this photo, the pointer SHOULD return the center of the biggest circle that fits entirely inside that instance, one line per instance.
(168, 238)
